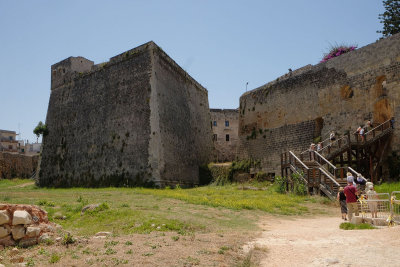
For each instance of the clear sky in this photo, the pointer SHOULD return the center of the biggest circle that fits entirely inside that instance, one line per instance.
(222, 44)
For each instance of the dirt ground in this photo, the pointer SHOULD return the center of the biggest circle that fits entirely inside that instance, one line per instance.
(318, 241)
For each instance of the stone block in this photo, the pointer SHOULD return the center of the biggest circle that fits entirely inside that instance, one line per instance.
(27, 242)
(368, 220)
(356, 220)
(4, 231)
(21, 217)
(32, 231)
(18, 232)
(379, 222)
(4, 217)
(7, 241)
(45, 238)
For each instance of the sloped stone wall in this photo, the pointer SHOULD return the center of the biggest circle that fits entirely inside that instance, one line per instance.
(338, 95)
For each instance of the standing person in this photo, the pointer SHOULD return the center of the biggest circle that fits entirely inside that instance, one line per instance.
(341, 197)
(332, 137)
(312, 149)
(350, 177)
(362, 130)
(351, 198)
(319, 147)
(372, 198)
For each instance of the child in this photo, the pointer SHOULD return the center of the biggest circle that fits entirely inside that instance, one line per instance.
(372, 202)
(342, 200)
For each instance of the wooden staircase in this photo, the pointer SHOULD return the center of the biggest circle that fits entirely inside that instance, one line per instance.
(325, 171)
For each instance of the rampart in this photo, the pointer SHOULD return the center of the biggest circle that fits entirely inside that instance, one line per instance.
(138, 119)
(339, 95)
(14, 165)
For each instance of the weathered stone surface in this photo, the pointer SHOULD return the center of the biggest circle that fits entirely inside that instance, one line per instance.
(289, 112)
(32, 231)
(379, 222)
(21, 217)
(7, 241)
(89, 207)
(17, 165)
(4, 231)
(18, 232)
(368, 220)
(103, 234)
(27, 242)
(143, 101)
(44, 238)
(4, 217)
(14, 252)
(357, 220)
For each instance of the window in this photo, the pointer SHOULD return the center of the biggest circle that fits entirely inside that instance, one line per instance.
(215, 123)
(227, 137)
(11, 138)
(214, 137)
(226, 123)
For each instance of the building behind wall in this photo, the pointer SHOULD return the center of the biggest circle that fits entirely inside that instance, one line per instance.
(339, 95)
(224, 123)
(8, 141)
(138, 119)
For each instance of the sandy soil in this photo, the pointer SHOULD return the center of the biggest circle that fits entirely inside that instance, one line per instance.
(318, 241)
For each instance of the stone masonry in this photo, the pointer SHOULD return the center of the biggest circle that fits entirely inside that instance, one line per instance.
(13, 165)
(338, 95)
(23, 225)
(138, 119)
(224, 123)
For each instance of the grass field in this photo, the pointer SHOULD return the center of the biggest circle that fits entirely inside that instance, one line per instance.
(135, 210)
(387, 187)
(208, 225)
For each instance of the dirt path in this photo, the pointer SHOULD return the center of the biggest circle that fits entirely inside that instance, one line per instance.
(22, 185)
(319, 242)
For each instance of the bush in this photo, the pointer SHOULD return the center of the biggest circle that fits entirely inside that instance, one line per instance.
(261, 176)
(338, 50)
(299, 186)
(281, 184)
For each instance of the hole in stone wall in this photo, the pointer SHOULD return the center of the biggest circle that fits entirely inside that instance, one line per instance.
(346, 92)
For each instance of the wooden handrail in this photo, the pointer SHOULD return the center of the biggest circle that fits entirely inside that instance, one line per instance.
(304, 165)
(329, 176)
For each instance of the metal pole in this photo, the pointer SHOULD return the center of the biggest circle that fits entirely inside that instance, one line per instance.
(246, 85)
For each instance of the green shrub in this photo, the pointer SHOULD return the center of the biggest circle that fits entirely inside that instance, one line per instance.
(54, 258)
(261, 176)
(351, 226)
(280, 184)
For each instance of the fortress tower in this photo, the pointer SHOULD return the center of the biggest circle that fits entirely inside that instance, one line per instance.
(138, 119)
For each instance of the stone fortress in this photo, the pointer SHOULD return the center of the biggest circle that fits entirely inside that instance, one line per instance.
(138, 119)
(337, 95)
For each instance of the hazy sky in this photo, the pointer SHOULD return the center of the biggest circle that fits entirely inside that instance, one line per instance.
(221, 44)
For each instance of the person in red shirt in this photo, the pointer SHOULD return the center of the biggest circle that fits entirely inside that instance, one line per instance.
(351, 199)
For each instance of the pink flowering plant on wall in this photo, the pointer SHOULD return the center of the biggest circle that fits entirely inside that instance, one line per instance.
(337, 51)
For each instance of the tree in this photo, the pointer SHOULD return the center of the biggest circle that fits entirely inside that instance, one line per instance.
(390, 18)
(40, 129)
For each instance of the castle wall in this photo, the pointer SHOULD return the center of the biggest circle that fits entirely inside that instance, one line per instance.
(184, 129)
(99, 127)
(338, 95)
(13, 165)
(225, 150)
(138, 119)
